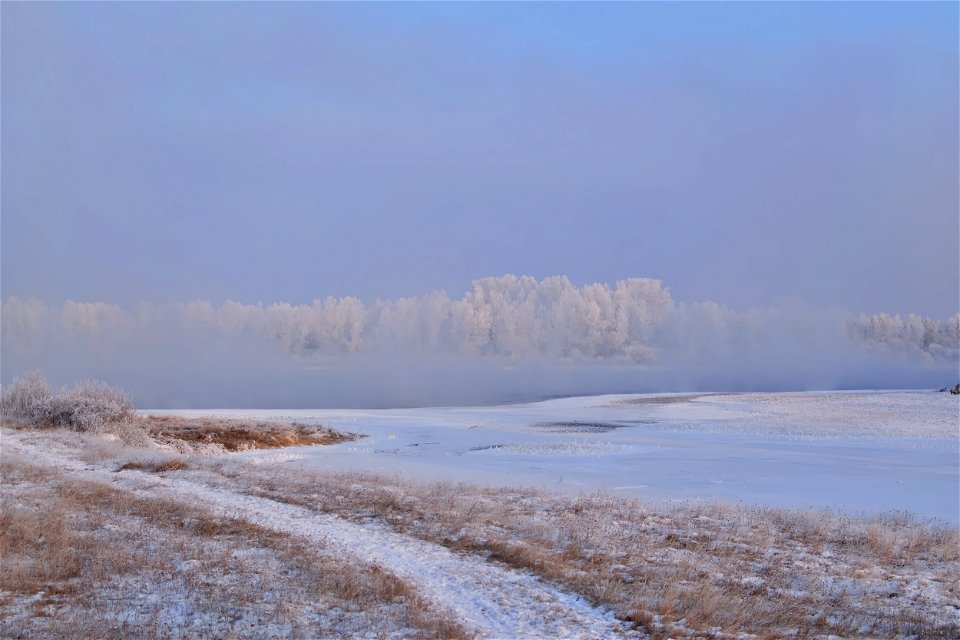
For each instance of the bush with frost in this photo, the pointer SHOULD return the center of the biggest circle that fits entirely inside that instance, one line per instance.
(24, 397)
(89, 406)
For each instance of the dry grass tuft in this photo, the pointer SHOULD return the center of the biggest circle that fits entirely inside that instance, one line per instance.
(240, 435)
(38, 549)
(156, 466)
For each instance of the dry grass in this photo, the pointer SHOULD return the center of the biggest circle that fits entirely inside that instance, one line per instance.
(240, 435)
(95, 407)
(154, 466)
(707, 571)
(703, 571)
(205, 435)
(86, 559)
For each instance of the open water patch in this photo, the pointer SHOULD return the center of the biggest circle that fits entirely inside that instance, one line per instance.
(582, 426)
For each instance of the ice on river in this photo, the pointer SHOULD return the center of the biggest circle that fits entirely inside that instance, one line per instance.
(858, 452)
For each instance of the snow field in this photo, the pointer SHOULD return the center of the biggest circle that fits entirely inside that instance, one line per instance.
(855, 452)
(506, 561)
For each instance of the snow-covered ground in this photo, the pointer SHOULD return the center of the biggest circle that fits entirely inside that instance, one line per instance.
(859, 452)
(487, 599)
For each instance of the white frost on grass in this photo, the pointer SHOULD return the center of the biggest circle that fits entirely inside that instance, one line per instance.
(275, 458)
(490, 600)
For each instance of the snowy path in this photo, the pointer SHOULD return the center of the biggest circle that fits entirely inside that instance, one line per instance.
(489, 600)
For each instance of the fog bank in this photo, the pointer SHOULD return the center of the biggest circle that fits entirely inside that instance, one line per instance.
(507, 338)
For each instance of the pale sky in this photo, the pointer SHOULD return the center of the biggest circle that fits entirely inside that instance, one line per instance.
(748, 153)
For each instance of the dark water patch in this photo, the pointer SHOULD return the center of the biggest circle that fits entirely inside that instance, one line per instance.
(577, 426)
(489, 447)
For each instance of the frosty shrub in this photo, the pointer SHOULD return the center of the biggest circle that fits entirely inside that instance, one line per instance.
(23, 397)
(89, 406)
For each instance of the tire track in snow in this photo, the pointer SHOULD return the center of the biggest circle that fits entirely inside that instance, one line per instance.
(489, 600)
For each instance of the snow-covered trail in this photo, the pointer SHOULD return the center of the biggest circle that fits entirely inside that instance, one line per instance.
(488, 599)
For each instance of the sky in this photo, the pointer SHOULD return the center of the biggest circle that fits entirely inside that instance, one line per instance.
(743, 153)
(757, 155)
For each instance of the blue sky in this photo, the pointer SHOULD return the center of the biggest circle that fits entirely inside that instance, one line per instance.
(745, 153)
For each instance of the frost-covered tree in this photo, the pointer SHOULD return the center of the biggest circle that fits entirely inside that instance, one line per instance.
(508, 317)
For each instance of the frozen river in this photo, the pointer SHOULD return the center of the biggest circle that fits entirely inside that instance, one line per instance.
(851, 451)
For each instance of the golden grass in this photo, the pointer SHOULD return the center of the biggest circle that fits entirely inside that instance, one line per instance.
(15, 423)
(709, 570)
(202, 434)
(85, 559)
(154, 466)
(95, 407)
(240, 435)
